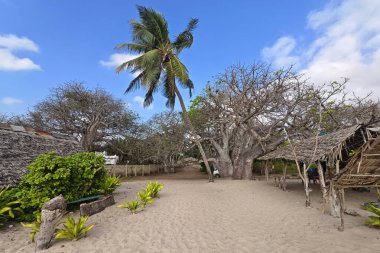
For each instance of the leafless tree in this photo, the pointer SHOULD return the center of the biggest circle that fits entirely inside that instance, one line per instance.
(244, 113)
(90, 115)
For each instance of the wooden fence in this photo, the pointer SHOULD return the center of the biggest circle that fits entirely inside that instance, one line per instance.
(134, 170)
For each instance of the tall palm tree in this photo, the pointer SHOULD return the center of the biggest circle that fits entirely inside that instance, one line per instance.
(158, 65)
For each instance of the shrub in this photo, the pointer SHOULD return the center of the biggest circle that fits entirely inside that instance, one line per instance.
(131, 206)
(373, 221)
(34, 227)
(154, 188)
(8, 206)
(73, 230)
(74, 177)
(145, 198)
(110, 184)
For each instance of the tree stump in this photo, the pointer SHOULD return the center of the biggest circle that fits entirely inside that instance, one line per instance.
(51, 214)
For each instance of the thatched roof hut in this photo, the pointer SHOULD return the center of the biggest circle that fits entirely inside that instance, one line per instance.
(19, 147)
(363, 170)
(328, 146)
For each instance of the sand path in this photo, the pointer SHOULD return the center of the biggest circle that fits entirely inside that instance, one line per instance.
(225, 216)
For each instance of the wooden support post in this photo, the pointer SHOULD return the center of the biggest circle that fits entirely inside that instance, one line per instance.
(266, 171)
(323, 185)
(135, 171)
(143, 167)
(306, 185)
(378, 194)
(284, 176)
(126, 170)
(334, 200)
(341, 202)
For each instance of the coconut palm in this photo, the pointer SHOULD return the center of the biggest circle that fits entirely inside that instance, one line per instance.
(157, 65)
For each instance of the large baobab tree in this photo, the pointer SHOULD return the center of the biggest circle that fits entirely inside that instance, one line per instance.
(158, 65)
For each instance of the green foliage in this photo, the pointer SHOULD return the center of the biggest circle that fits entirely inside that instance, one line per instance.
(132, 206)
(351, 153)
(34, 227)
(154, 188)
(74, 230)
(110, 184)
(158, 64)
(145, 198)
(8, 206)
(373, 221)
(74, 177)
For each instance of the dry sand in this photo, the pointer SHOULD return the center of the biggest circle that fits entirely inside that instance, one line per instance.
(225, 216)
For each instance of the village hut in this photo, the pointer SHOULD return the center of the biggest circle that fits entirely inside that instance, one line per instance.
(350, 156)
(19, 146)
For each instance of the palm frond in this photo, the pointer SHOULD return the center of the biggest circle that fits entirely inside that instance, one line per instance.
(185, 38)
(155, 23)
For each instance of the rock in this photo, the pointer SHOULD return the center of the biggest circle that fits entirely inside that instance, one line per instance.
(351, 212)
(51, 214)
(88, 209)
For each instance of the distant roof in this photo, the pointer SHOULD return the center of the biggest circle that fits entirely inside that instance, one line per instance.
(36, 133)
(304, 149)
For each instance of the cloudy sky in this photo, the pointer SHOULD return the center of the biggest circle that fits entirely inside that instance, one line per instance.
(46, 43)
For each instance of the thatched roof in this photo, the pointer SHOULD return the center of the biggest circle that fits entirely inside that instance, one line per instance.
(19, 146)
(363, 168)
(328, 145)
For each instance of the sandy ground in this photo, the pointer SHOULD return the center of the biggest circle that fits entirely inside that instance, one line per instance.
(225, 216)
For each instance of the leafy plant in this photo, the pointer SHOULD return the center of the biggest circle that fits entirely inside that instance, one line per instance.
(110, 184)
(131, 206)
(154, 188)
(373, 221)
(76, 176)
(34, 227)
(74, 230)
(8, 207)
(145, 198)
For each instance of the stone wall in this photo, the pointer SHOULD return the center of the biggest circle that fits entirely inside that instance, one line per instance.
(19, 149)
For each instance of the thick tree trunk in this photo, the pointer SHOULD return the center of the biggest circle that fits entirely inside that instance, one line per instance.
(248, 168)
(195, 135)
(224, 160)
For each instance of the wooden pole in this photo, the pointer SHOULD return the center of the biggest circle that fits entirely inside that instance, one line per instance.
(378, 194)
(322, 185)
(284, 176)
(143, 167)
(126, 170)
(306, 185)
(135, 171)
(266, 170)
(340, 196)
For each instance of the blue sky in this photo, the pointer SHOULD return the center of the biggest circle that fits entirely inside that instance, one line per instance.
(46, 43)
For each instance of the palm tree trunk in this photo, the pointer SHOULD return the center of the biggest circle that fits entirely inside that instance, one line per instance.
(192, 130)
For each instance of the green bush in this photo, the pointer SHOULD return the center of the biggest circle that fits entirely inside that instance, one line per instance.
(154, 188)
(145, 198)
(132, 206)
(110, 184)
(73, 230)
(8, 205)
(74, 177)
(373, 221)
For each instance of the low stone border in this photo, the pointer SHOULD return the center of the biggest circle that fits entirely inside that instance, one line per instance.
(88, 209)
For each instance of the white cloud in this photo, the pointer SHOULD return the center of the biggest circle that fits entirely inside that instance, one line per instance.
(140, 101)
(116, 60)
(279, 53)
(9, 44)
(10, 101)
(347, 45)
